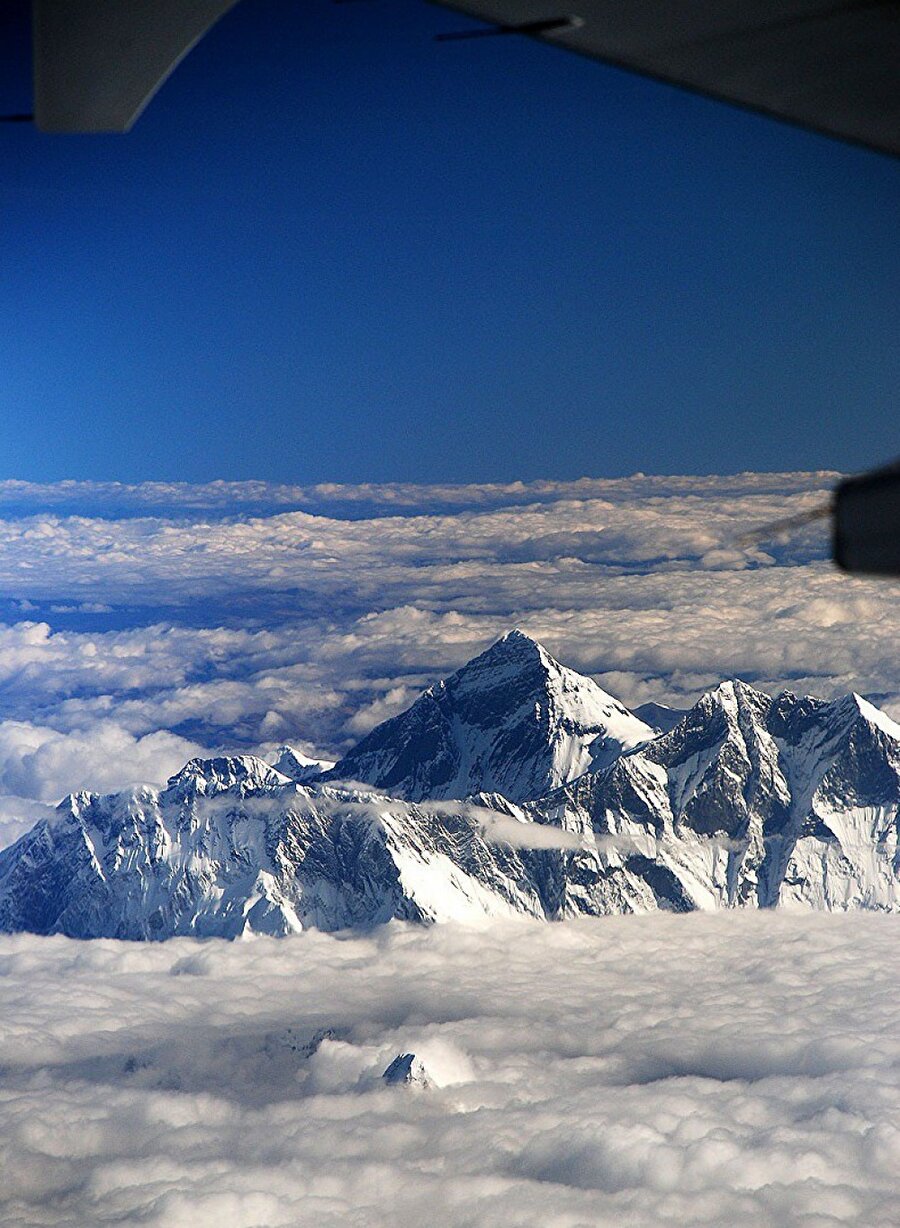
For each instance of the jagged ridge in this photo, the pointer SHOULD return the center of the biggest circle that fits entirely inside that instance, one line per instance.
(747, 801)
(750, 801)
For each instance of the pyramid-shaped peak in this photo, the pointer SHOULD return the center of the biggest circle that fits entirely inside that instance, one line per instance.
(874, 715)
(286, 751)
(512, 721)
(298, 766)
(731, 702)
(517, 652)
(518, 636)
(736, 686)
(733, 691)
(518, 641)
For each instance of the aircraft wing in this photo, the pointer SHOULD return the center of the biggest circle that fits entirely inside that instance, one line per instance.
(830, 66)
(97, 63)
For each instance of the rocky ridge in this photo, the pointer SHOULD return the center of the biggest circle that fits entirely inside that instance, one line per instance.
(515, 787)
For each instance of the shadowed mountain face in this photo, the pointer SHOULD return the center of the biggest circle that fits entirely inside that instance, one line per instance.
(232, 847)
(745, 802)
(513, 721)
(755, 801)
(661, 717)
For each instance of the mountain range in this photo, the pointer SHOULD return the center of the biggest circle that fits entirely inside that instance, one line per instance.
(515, 786)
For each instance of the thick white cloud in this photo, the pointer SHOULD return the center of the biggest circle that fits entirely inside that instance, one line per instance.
(18, 815)
(224, 616)
(40, 762)
(706, 1070)
(662, 1071)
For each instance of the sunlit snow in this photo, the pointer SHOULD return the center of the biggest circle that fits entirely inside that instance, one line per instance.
(738, 1069)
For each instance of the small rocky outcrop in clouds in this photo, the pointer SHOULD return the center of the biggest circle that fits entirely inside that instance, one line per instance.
(747, 801)
(407, 1070)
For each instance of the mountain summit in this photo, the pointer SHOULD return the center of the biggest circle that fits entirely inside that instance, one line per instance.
(512, 721)
(754, 801)
(746, 802)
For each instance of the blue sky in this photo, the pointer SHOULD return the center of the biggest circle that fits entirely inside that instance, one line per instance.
(333, 249)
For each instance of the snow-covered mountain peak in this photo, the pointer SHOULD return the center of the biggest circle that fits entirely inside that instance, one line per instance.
(511, 721)
(297, 766)
(746, 802)
(732, 712)
(875, 716)
(734, 695)
(75, 801)
(517, 640)
(224, 774)
(760, 800)
(801, 718)
(516, 649)
(515, 655)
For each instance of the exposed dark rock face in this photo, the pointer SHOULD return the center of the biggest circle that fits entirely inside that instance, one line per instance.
(513, 721)
(573, 809)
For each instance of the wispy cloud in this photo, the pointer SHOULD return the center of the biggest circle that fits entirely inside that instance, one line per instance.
(230, 498)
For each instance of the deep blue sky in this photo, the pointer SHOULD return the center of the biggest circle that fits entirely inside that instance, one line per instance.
(333, 249)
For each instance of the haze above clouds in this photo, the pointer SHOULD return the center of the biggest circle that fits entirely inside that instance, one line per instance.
(142, 625)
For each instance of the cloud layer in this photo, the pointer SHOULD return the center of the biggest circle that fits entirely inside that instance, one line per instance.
(649, 1071)
(701, 1070)
(142, 621)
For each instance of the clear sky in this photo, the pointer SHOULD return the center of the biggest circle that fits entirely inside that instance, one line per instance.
(333, 249)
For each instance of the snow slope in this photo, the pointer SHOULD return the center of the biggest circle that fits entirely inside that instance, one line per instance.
(232, 847)
(512, 721)
(747, 802)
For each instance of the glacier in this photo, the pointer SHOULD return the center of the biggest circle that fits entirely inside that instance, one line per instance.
(516, 787)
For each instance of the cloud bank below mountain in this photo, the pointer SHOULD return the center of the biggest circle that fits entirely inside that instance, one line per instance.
(663, 1070)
